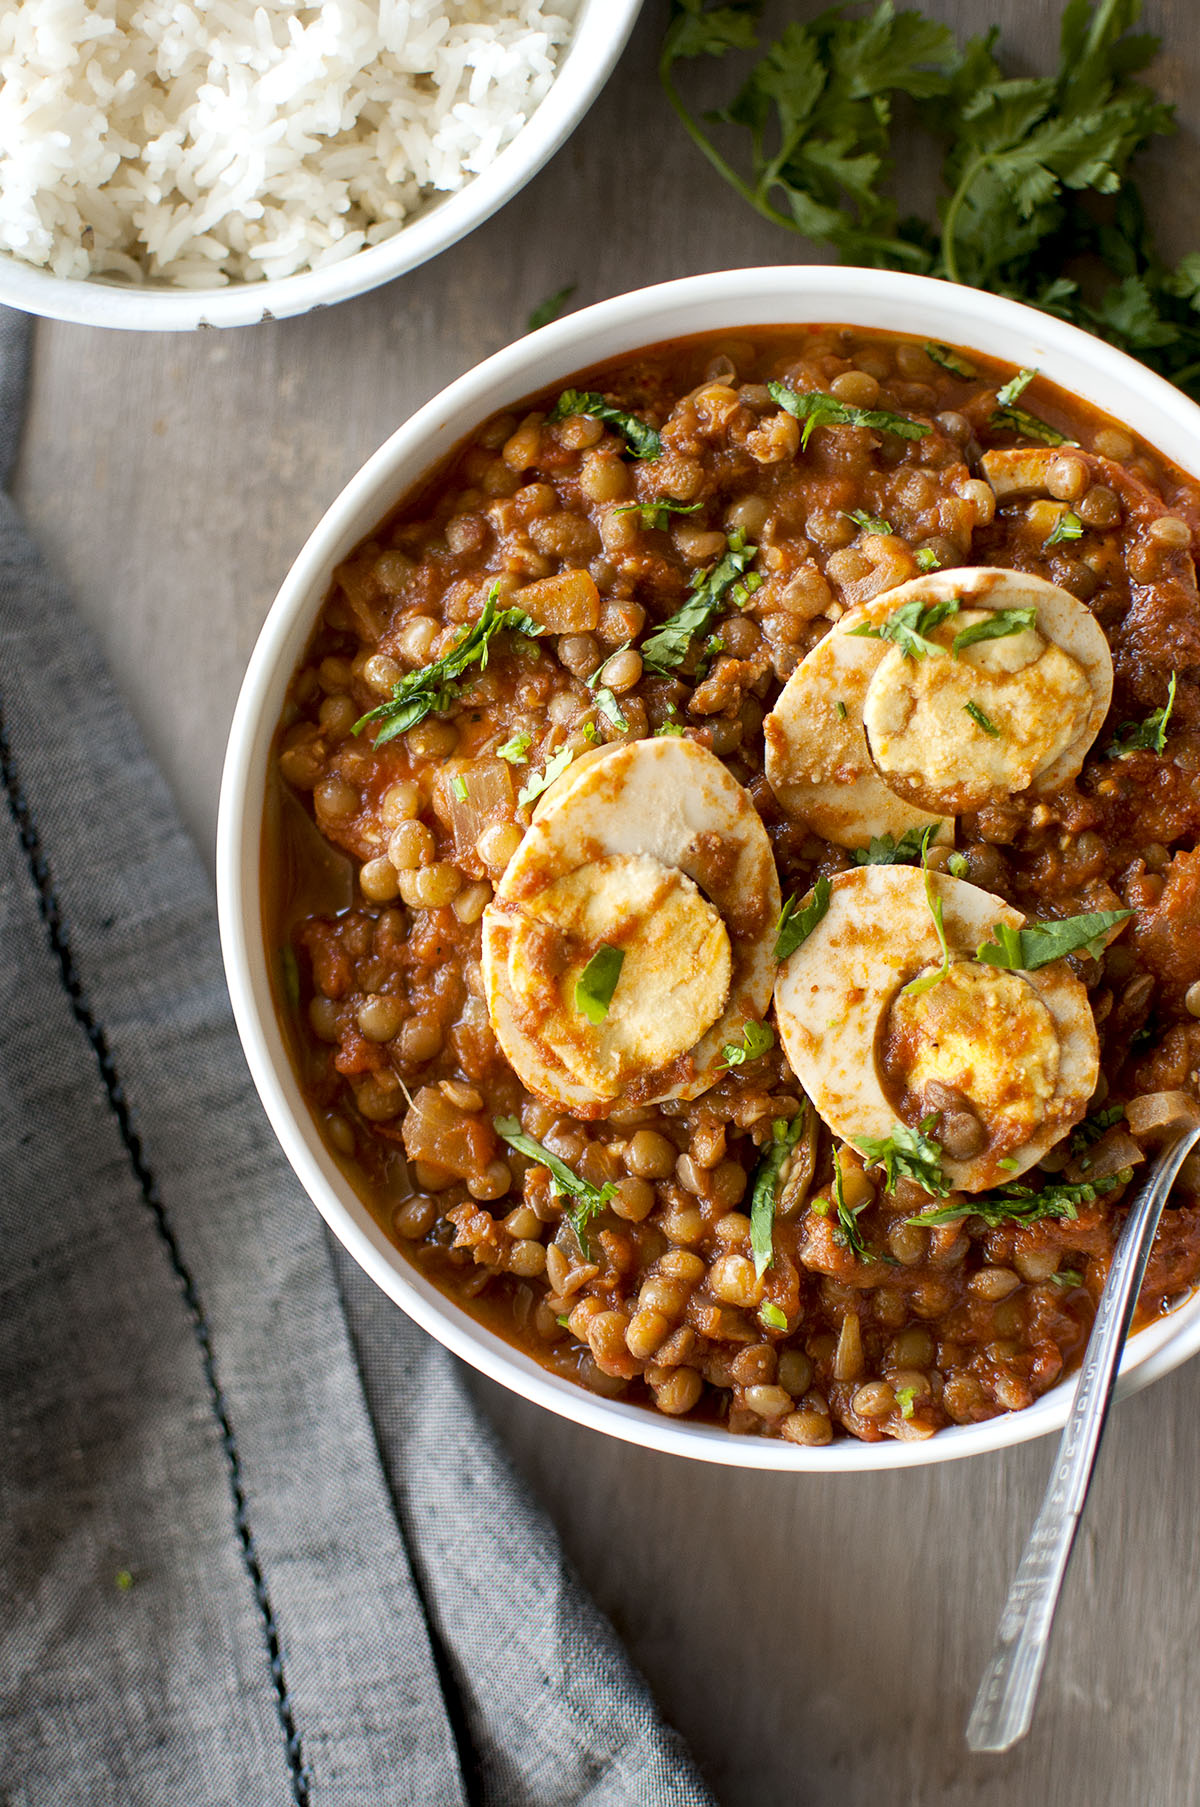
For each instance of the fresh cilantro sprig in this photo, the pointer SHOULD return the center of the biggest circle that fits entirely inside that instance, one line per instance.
(597, 982)
(731, 576)
(907, 1154)
(756, 1039)
(797, 921)
(816, 409)
(765, 1189)
(641, 438)
(437, 686)
(1039, 943)
(909, 626)
(1023, 1204)
(590, 1199)
(807, 142)
(1149, 736)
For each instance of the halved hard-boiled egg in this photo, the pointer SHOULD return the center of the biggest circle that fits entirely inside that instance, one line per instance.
(881, 1029)
(932, 699)
(631, 934)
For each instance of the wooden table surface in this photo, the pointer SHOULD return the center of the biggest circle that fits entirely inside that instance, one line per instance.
(817, 1640)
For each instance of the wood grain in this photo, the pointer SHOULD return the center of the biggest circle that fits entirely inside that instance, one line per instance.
(817, 1640)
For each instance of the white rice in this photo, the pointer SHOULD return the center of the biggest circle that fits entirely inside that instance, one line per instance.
(202, 141)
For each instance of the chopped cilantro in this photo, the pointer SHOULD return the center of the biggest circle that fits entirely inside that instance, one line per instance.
(927, 559)
(516, 750)
(1068, 526)
(550, 308)
(596, 983)
(591, 732)
(1038, 943)
(997, 625)
(784, 1137)
(668, 646)
(848, 1233)
(1067, 1276)
(641, 438)
(949, 360)
(656, 514)
(817, 409)
(675, 728)
(905, 1399)
(1008, 418)
(591, 1199)
(289, 971)
(1085, 1134)
(797, 921)
(756, 1039)
(958, 865)
(437, 686)
(1148, 736)
(885, 850)
(839, 709)
(907, 1154)
(1022, 1204)
(926, 981)
(981, 719)
(772, 1316)
(868, 523)
(458, 785)
(609, 707)
(541, 781)
(909, 626)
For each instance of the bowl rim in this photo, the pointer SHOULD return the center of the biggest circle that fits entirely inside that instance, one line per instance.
(600, 35)
(721, 301)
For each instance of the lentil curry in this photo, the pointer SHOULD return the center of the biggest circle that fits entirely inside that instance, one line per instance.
(816, 615)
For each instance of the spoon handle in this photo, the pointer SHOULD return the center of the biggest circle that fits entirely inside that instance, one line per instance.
(1007, 1694)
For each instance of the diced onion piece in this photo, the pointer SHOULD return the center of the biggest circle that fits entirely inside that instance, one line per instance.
(469, 796)
(1154, 1113)
(567, 603)
(437, 1131)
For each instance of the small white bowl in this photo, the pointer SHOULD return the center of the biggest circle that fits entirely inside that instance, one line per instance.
(600, 35)
(729, 300)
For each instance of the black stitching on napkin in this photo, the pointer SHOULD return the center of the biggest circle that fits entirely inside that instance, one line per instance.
(51, 914)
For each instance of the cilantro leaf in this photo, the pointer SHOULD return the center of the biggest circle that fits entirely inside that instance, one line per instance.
(764, 1191)
(550, 308)
(597, 982)
(1038, 943)
(555, 766)
(772, 1316)
(927, 559)
(436, 687)
(668, 646)
(816, 409)
(1148, 736)
(591, 1199)
(997, 626)
(908, 627)
(641, 438)
(797, 921)
(756, 1039)
(886, 850)
(907, 1154)
(981, 719)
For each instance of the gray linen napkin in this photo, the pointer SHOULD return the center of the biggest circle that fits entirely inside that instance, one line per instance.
(226, 1575)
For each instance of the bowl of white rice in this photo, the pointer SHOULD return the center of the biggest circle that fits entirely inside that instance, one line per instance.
(169, 164)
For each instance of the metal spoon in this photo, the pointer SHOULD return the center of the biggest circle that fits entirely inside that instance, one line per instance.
(1004, 1705)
